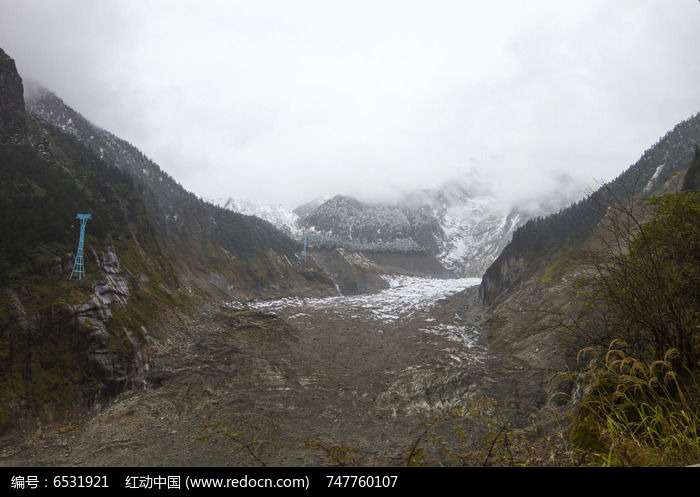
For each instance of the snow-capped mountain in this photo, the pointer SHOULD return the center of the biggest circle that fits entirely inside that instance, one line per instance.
(347, 222)
(280, 217)
(462, 223)
(475, 228)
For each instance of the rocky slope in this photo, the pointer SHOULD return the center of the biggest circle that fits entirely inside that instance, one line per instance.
(12, 118)
(212, 247)
(660, 169)
(150, 247)
(474, 228)
(282, 378)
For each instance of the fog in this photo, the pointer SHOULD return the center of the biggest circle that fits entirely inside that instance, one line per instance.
(281, 102)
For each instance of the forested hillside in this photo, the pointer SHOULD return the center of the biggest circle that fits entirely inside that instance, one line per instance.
(607, 290)
(151, 250)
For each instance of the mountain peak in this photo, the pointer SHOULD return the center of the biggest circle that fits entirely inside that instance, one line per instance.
(13, 122)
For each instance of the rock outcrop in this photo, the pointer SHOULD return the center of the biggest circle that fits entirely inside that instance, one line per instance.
(12, 116)
(108, 356)
(122, 355)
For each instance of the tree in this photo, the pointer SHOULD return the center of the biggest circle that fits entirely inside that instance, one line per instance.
(646, 278)
(640, 401)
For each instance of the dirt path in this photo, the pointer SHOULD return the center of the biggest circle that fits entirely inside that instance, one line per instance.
(333, 373)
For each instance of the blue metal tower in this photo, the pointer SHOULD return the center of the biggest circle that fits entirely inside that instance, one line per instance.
(79, 266)
(303, 253)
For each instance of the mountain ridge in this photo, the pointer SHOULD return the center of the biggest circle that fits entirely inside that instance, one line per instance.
(461, 224)
(152, 251)
(183, 220)
(532, 301)
(662, 162)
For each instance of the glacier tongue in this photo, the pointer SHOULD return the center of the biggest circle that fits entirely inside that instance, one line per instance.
(406, 296)
(410, 303)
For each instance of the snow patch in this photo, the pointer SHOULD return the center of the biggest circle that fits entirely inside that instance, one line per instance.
(405, 296)
(280, 217)
(654, 177)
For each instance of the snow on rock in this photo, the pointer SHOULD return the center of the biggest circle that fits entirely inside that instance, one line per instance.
(654, 177)
(462, 223)
(406, 296)
(406, 303)
(280, 217)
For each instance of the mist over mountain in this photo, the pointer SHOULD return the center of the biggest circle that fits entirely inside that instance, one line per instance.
(465, 223)
(209, 309)
(280, 217)
(180, 216)
(542, 238)
(150, 249)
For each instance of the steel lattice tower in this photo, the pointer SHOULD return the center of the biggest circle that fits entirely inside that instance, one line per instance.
(79, 266)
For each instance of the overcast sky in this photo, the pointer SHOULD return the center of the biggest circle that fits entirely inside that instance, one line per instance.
(283, 101)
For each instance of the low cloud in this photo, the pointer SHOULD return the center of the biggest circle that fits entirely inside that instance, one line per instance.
(282, 102)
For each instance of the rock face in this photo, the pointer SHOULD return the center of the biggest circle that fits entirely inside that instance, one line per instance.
(128, 362)
(107, 357)
(474, 227)
(110, 261)
(12, 117)
(501, 277)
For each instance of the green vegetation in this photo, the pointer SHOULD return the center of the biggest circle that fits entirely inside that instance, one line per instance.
(560, 264)
(641, 403)
(645, 280)
(158, 231)
(637, 413)
(43, 354)
(40, 198)
(46, 369)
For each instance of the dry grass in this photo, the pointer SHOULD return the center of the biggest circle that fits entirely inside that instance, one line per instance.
(636, 413)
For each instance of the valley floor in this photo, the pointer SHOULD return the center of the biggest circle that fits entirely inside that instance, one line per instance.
(282, 382)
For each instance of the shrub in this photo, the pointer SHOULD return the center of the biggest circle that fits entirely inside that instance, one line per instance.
(637, 413)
